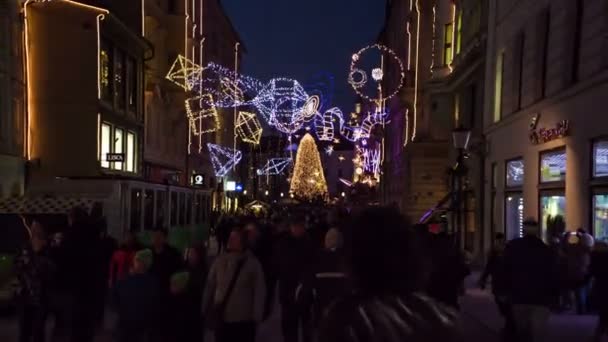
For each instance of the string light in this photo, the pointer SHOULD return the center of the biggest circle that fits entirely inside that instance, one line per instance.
(274, 166)
(377, 73)
(184, 73)
(201, 108)
(329, 150)
(324, 125)
(415, 124)
(282, 103)
(308, 181)
(223, 158)
(361, 81)
(248, 128)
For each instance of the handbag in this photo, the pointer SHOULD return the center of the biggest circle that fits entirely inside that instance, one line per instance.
(216, 315)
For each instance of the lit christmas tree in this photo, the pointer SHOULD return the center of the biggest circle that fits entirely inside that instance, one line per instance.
(308, 181)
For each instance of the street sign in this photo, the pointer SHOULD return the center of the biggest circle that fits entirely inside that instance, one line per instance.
(198, 180)
(115, 157)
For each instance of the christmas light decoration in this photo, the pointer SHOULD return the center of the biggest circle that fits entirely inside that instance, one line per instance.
(223, 159)
(377, 73)
(202, 115)
(311, 107)
(282, 103)
(248, 128)
(308, 181)
(329, 150)
(324, 124)
(371, 160)
(274, 166)
(184, 73)
(357, 78)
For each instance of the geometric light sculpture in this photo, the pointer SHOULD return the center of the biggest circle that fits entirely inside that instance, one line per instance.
(308, 180)
(324, 124)
(371, 160)
(223, 158)
(184, 73)
(282, 103)
(358, 77)
(248, 128)
(202, 115)
(274, 166)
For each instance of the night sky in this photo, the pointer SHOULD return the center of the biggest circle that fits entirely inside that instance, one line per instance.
(306, 39)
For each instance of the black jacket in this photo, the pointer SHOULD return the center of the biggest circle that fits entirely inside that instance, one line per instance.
(329, 282)
(391, 318)
(495, 268)
(164, 265)
(531, 269)
(294, 258)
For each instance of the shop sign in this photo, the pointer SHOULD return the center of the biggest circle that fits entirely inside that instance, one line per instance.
(545, 134)
(115, 157)
(198, 180)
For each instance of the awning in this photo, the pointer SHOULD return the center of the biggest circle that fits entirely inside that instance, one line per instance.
(43, 205)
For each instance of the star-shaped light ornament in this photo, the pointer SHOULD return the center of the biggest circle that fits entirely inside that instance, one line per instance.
(329, 150)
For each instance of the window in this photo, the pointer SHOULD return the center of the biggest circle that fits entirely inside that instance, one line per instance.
(132, 84)
(448, 40)
(131, 154)
(106, 145)
(149, 210)
(459, 31)
(519, 67)
(119, 79)
(514, 215)
(553, 214)
(135, 210)
(600, 159)
(498, 82)
(118, 143)
(553, 166)
(515, 173)
(600, 217)
(182, 207)
(105, 72)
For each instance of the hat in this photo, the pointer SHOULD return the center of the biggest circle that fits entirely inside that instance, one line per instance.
(179, 280)
(145, 256)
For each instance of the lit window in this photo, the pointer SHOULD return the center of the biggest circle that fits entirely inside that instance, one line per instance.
(553, 166)
(553, 215)
(600, 159)
(447, 44)
(600, 217)
(515, 173)
(514, 215)
(118, 143)
(498, 86)
(130, 157)
(105, 72)
(106, 145)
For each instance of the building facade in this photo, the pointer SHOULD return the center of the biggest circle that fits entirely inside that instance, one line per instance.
(546, 74)
(12, 101)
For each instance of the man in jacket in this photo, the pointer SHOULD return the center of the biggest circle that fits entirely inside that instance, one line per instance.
(531, 270)
(236, 291)
(294, 257)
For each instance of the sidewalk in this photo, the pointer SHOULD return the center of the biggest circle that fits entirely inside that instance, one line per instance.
(479, 306)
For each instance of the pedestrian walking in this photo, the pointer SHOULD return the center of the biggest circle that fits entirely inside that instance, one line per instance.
(35, 272)
(532, 282)
(496, 270)
(577, 260)
(599, 274)
(260, 243)
(387, 270)
(122, 259)
(295, 253)
(234, 295)
(136, 299)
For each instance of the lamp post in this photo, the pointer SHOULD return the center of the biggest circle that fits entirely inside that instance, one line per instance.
(460, 139)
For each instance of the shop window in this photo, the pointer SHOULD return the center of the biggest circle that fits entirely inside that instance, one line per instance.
(149, 210)
(173, 208)
(136, 210)
(448, 41)
(119, 79)
(514, 215)
(105, 71)
(189, 209)
(600, 217)
(106, 145)
(515, 173)
(600, 159)
(553, 215)
(132, 84)
(160, 208)
(118, 144)
(553, 166)
(131, 152)
(199, 209)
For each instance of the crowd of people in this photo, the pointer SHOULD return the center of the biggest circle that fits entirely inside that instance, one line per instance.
(363, 275)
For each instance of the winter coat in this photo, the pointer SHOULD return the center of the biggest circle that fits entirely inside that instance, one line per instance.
(390, 318)
(164, 265)
(495, 268)
(532, 272)
(136, 299)
(294, 257)
(577, 260)
(246, 302)
(329, 283)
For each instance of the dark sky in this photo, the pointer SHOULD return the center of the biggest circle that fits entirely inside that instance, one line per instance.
(302, 38)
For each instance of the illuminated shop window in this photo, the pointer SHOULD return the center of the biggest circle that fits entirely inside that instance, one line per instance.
(118, 144)
(515, 173)
(600, 159)
(553, 216)
(131, 154)
(514, 215)
(105, 72)
(553, 166)
(448, 44)
(106, 145)
(600, 217)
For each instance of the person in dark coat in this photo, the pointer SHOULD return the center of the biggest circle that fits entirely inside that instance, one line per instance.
(260, 244)
(531, 270)
(387, 269)
(448, 271)
(294, 260)
(599, 274)
(35, 271)
(166, 262)
(495, 269)
(197, 270)
(105, 245)
(136, 299)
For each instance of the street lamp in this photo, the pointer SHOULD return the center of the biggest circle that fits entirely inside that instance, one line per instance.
(460, 138)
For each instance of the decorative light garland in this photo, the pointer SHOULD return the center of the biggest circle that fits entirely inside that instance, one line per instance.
(199, 108)
(248, 128)
(274, 166)
(377, 73)
(329, 150)
(223, 158)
